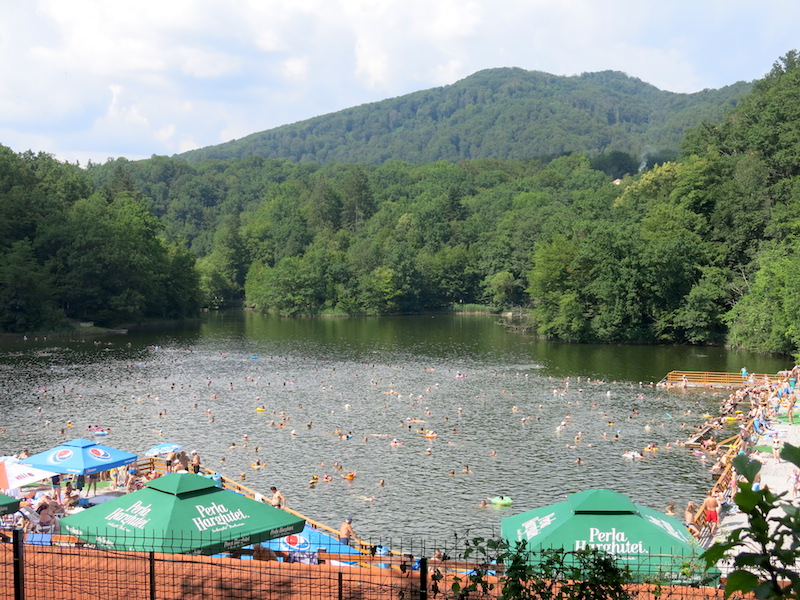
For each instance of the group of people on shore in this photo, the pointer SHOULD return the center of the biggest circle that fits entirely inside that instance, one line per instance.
(757, 408)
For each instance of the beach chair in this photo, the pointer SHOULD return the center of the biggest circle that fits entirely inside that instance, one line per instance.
(33, 519)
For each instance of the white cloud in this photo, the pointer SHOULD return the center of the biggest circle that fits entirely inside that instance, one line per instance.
(137, 78)
(125, 114)
(166, 133)
(296, 68)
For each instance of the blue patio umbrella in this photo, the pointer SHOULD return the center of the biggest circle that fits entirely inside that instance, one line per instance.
(163, 449)
(80, 456)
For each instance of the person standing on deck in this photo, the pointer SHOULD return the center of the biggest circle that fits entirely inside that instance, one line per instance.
(346, 532)
(711, 510)
(278, 500)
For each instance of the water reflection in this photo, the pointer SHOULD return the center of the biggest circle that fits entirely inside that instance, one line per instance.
(495, 399)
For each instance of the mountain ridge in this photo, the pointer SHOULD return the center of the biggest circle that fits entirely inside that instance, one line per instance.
(506, 113)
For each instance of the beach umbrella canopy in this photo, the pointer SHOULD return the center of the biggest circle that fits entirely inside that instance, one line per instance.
(311, 540)
(181, 513)
(8, 504)
(14, 474)
(652, 544)
(80, 456)
(163, 449)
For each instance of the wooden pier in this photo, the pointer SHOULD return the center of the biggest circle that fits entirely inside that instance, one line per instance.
(714, 379)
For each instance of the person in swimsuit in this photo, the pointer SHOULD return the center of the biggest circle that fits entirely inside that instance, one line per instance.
(711, 509)
(689, 519)
(346, 532)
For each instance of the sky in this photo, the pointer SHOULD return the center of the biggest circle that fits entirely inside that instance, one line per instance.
(98, 79)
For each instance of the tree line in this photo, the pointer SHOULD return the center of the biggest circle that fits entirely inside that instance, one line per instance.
(70, 251)
(702, 249)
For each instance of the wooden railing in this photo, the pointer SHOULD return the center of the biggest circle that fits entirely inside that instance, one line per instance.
(159, 464)
(723, 488)
(679, 379)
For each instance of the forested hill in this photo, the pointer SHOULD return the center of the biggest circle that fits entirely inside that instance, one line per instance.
(703, 249)
(507, 113)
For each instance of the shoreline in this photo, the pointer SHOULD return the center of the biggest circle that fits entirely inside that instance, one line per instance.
(766, 419)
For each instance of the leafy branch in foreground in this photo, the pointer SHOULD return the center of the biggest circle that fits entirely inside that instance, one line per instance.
(766, 552)
(555, 574)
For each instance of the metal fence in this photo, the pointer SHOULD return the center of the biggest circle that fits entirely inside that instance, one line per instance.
(51, 567)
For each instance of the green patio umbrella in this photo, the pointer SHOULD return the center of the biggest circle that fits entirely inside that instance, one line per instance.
(653, 545)
(181, 513)
(8, 504)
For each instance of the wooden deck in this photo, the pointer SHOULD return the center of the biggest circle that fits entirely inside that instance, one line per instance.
(713, 379)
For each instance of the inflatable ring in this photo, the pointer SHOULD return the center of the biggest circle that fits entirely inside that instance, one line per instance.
(502, 501)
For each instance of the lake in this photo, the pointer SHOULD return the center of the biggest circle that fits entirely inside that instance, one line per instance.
(339, 390)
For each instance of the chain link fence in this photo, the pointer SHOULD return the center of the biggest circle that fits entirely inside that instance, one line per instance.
(53, 567)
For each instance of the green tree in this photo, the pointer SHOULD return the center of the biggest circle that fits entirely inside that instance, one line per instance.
(324, 206)
(765, 319)
(111, 266)
(556, 310)
(358, 202)
(379, 291)
(501, 289)
(223, 271)
(26, 292)
(293, 286)
(616, 164)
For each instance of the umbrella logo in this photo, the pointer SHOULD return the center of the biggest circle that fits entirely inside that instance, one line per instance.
(297, 542)
(99, 453)
(62, 455)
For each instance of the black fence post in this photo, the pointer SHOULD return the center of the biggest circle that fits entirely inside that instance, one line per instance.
(19, 565)
(152, 561)
(341, 586)
(423, 578)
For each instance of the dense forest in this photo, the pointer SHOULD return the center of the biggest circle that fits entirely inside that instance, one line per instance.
(499, 114)
(702, 249)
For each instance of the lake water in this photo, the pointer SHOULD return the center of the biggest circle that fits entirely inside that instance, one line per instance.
(495, 398)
